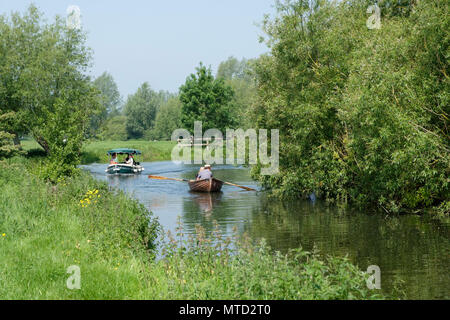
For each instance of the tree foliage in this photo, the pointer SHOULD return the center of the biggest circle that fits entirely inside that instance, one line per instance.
(167, 120)
(7, 147)
(232, 68)
(114, 129)
(141, 109)
(110, 102)
(207, 99)
(43, 80)
(237, 74)
(363, 114)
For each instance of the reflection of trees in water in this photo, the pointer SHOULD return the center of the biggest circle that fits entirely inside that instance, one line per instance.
(406, 246)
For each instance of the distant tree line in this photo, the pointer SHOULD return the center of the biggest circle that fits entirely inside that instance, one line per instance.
(219, 101)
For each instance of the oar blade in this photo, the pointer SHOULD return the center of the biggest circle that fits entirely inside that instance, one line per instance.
(157, 177)
(165, 178)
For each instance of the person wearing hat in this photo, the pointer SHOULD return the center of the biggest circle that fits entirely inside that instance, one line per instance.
(205, 173)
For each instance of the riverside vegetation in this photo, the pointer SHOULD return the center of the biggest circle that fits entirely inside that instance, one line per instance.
(363, 113)
(114, 240)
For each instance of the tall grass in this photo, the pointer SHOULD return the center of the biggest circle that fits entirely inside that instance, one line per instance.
(214, 267)
(113, 240)
(48, 228)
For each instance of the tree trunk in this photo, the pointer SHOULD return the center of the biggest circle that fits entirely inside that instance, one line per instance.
(16, 139)
(43, 143)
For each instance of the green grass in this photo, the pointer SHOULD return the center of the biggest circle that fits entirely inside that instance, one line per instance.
(95, 151)
(112, 238)
(46, 230)
(30, 144)
(151, 150)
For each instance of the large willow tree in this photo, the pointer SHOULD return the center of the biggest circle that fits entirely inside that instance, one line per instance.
(43, 80)
(363, 113)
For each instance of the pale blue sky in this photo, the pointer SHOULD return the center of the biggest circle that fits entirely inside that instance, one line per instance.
(161, 41)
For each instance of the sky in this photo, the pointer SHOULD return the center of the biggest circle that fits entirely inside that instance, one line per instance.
(161, 42)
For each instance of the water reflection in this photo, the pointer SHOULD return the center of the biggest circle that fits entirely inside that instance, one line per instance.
(413, 248)
(122, 181)
(206, 201)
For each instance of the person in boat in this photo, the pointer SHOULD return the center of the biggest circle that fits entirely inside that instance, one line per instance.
(114, 159)
(129, 160)
(205, 173)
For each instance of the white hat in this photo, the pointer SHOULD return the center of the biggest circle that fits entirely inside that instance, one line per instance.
(207, 166)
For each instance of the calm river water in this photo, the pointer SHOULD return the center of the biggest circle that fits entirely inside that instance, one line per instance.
(409, 248)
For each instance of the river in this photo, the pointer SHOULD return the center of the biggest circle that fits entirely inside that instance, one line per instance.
(414, 249)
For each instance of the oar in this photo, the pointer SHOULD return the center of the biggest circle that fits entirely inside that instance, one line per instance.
(185, 180)
(236, 185)
(164, 178)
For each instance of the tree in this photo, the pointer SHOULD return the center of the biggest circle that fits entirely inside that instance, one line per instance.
(110, 101)
(232, 68)
(140, 110)
(167, 120)
(111, 98)
(7, 147)
(396, 7)
(43, 80)
(206, 99)
(237, 74)
(114, 129)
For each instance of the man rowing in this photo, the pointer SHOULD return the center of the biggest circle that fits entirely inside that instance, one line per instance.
(204, 173)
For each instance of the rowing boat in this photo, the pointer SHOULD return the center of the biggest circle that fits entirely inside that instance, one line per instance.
(207, 185)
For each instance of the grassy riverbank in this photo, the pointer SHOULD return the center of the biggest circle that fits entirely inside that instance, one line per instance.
(46, 228)
(95, 151)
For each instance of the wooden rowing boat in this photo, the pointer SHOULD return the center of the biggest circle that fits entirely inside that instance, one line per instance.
(207, 185)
